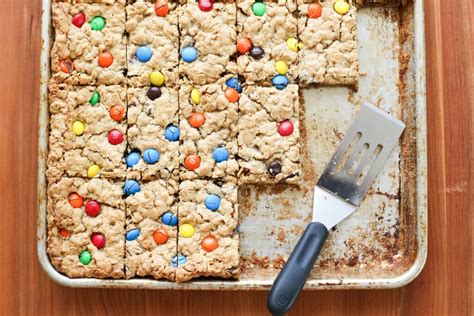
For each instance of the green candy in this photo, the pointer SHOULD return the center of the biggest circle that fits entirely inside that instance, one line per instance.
(259, 8)
(95, 98)
(98, 23)
(85, 257)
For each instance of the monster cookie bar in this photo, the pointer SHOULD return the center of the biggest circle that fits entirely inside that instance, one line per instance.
(208, 125)
(268, 135)
(267, 32)
(153, 43)
(208, 242)
(208, 36)
(89, 45)
(151, 237)
(87, 136)
(86, 220)
(153, 133)
(329, 49)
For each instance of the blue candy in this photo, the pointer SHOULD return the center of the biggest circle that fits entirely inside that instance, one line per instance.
(189, 54)
(213, 202)
(234, 84)
(220, 154)
(169, 219)
(280, 82)
(131, 187)
(132, 234)
(172, 133)
(132, 159)
(144, 54)
(178, 260)
(151, 156)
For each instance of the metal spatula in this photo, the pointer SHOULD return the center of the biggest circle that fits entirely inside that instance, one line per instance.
(340, 189)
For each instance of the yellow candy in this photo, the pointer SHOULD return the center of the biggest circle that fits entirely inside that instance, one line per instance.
(93, 171)
(196, 96)
(186, 230)
(292, 44)
(157, 78)
(341, 7)
(78, 128)
(281, 67)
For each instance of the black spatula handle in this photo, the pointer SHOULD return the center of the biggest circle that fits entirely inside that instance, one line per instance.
(292, 278)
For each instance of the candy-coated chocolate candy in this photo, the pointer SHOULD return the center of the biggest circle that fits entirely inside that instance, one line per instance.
(160, 236)
(154, 93)
(206, 5)
(85, 257)
(234, 84)
(196, 96)
(64, 233)
(75, 200)
(281, 67)
(132, 234)
(257, 52)
(341, 7)
(186, 230)
(115, 137)
(98, 23)
(209, 244)
(196, 120)
(79, 20)
(231, 95)
(132, 159)
(212, 202)
(151, 156)
(66, 66)
(98, 240)
(144, 54)
(117, 112)
(178, 260)
(106, 60)
(92, 208)
(274, 168)
(131, 187)
(189, 54)
(95, 98)
(169, 219)
(259, 8)
(285, 128)
(280, 82)
(192, 162)
(244, 45)
(172, 133)
(93, 171)
(161, 8)
(314, 10)
(157, 79)
(78, 128)
(220, 154)
(292, 44)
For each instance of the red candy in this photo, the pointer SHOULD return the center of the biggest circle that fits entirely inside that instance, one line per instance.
(92, 208)
(79, 20)
(196, 120)
(117, 112)
(231, 95)
(66, 66)
(160, 236)
(209, 244)
(161, 8)
(115, 137)
(64, 233)
(244, 45)
(206, 5)
(286, 128)
(315, 10)
(98, 240)
(106, 60)
(192, 162)
(75, 200)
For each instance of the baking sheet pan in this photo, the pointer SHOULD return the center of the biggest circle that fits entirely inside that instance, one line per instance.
(384, 244)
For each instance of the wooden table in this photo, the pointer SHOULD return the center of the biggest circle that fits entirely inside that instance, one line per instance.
(444, 287)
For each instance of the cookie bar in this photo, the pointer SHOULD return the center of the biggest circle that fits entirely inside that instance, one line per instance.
(329, 48)
(153, 43)
(268, 140)
(153, 133)
(151, 238)
(86, 220)
(89, 44)
(208, 126)
(87, 131)
(207, 41)
(208, 242)
(264, 30)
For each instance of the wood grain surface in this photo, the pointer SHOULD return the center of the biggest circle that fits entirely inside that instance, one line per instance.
(445, 287)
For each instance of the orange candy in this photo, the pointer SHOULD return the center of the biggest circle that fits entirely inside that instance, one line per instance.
(64, 233)
(231, 95)
(196, 120)
(315, 10)
(106, 60)
(244, 45)
(160, 236)
(75, 200)
(161, 8)
(192, 162)
(66, 66)
(209, 244)
(117, 112)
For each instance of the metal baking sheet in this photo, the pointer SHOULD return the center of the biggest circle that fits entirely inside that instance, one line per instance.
(384, 244)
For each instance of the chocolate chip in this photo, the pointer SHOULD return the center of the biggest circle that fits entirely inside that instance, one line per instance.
(257, 52)
(274, 168)
(154, 93)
